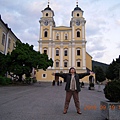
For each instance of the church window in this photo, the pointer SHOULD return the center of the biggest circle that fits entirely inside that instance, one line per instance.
(78, 33)
(78, 63)
(77, 14)
(65, 63)
(3, 39)
(78, 52)
(45, 34)
(65, 52)
(57, 64)
(43, 75)
(46, 14)
(57, 52)
(45, 51)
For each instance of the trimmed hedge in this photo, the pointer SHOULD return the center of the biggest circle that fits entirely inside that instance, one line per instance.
(112, 91)
(5, 81)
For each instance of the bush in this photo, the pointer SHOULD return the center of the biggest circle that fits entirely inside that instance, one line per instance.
(27, 80)
(5, 81)
(34, 80)
(112, 91)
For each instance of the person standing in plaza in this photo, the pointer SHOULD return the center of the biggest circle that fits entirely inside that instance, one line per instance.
(72, 87)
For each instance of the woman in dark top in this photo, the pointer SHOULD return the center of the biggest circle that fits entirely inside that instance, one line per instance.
(72, 87)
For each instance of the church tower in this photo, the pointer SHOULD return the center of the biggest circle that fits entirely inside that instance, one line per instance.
(66, 45)
(46, 24)
(77, 24)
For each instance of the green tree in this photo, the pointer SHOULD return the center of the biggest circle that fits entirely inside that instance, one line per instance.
(117, 68)
(3, 64)
(110, 71)
(23, 58)
(113, 71)
(99, 73)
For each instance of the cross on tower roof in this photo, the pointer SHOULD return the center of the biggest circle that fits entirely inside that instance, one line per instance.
(76, 2)
(48, 2)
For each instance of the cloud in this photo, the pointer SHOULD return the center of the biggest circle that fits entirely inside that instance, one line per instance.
(118, 46)
(23, 20)
(98, 55)
(118, 22)
(102, 22)
(95, 44)
(114, 7)
(92, 29)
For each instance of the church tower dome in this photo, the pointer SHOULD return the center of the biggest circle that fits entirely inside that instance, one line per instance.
(48, 9)
(77, 9)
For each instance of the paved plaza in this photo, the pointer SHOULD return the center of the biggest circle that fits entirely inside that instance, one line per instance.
(45, 102)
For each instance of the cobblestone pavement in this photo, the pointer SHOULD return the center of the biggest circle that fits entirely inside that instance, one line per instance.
(45, 102)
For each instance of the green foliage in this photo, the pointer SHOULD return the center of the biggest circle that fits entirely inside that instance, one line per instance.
(5, 81)
(113, 71)
(99, 73)
(28, 80)
(34, 80)
(22, 60)
(110, 71)
(99, 64)
(3, 65)
(112, 91)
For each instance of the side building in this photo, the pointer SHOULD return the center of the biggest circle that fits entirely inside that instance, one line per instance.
(7, 38)
(66, 45)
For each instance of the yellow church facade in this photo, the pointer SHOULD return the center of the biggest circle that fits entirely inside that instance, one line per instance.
(66, 45)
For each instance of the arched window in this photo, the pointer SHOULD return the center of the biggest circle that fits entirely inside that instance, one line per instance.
(45, 34)
(77, 14)
(44, 75)
(45, 50)
(65, 52)
(78, 51)
(57, 63)
(78, 33)
(65, 63)
(78, 63)
(57, 52)
(46, 14)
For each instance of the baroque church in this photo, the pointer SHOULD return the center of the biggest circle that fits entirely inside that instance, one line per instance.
(66, 45)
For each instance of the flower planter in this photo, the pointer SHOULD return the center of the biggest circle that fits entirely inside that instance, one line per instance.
(110, 110)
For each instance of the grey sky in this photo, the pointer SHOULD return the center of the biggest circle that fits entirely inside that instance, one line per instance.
(102, 22)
